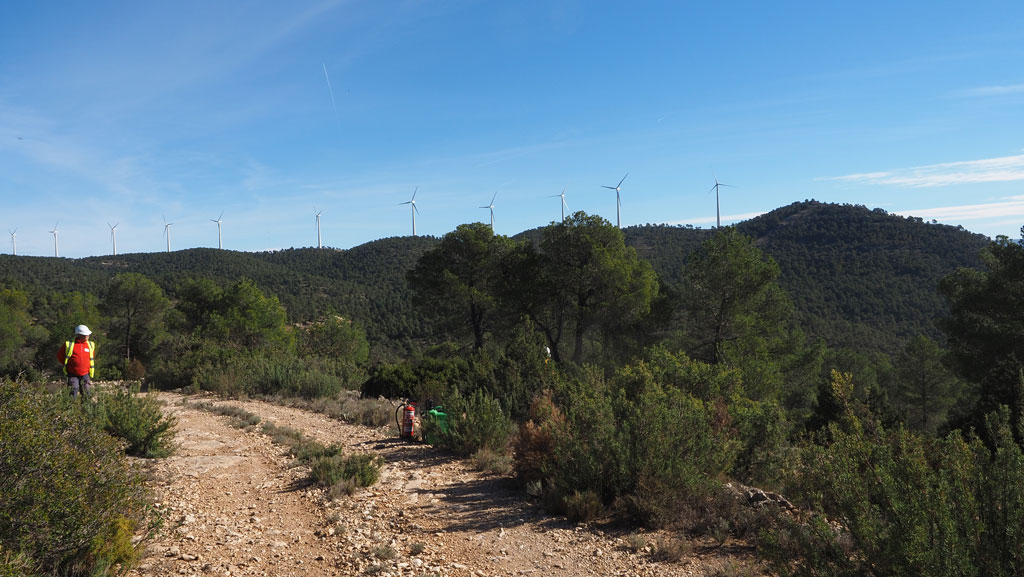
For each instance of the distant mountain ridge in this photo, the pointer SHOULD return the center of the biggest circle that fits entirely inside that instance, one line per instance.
(858, 277)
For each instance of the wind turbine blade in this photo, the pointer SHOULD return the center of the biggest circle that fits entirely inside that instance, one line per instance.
(406, 202)
(608, 187)
(414, 208)
(621, 181)
(221, 216)
(494, 197)
(417, 189)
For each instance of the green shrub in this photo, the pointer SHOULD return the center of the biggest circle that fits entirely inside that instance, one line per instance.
(475, 422)
(635, 542)
(490, 461)
(762, 432)
(658, 451)
(536, 442)
(65, 487)
(361, 470)
(671, 549)
(583, 506)
(905, 504)
(139, 421)
(384, 552)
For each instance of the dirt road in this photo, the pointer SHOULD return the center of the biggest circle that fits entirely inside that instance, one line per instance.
(234, 504)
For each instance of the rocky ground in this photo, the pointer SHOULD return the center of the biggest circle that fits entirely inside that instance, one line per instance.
(233, 503)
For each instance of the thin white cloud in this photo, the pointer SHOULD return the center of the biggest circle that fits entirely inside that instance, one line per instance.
(1006, 207)
(1002, 169)
(995, 90)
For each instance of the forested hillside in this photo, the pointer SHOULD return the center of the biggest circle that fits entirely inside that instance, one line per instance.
(365, 283)
(859, 278)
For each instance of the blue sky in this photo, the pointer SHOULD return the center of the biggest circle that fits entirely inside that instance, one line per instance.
(129, 113)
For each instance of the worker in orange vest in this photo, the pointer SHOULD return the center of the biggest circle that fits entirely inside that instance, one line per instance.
(79, 360)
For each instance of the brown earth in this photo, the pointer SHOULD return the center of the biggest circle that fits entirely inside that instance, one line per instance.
(233, 503)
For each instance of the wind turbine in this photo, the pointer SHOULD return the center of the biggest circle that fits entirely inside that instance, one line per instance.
(718, 204)
(219, 243)
(113, 237)
(414, 210)
(167, 233)
(491, 206)
(618, 201)
(317, 213)
(562, 196)
(56, 251)
(14, 241)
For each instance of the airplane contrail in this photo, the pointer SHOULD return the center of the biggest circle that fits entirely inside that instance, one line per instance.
(331, 90)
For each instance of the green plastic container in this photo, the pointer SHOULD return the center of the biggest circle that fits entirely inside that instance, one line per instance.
(440, 418)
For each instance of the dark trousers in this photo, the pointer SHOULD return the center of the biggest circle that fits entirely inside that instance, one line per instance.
(83, 382)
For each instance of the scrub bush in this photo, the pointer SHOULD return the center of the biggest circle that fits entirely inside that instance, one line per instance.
(69, 501)
(655, 452)
(360, 470)
(475, 422)
(139, 421)
(892, 502)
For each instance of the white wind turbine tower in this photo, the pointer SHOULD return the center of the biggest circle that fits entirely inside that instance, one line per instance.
(491, 207)
(167, 233)
(14, 241)
(618, 201)
(56, 250)
(220, 245)
(113, 237)
(317, 213)
(414, 210)
(718, 204)
(562, 196)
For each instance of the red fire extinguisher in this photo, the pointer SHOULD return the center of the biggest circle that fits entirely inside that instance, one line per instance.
(407, 422)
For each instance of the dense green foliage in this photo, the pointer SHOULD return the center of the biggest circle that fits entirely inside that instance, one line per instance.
(455, 281)
(69, 502)
(903, 504)
(583, 288)
(984, 327)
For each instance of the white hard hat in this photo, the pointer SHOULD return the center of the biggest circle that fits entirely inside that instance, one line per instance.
(82, 330)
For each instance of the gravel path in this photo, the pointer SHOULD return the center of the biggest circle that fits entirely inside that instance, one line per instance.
(234, 504)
